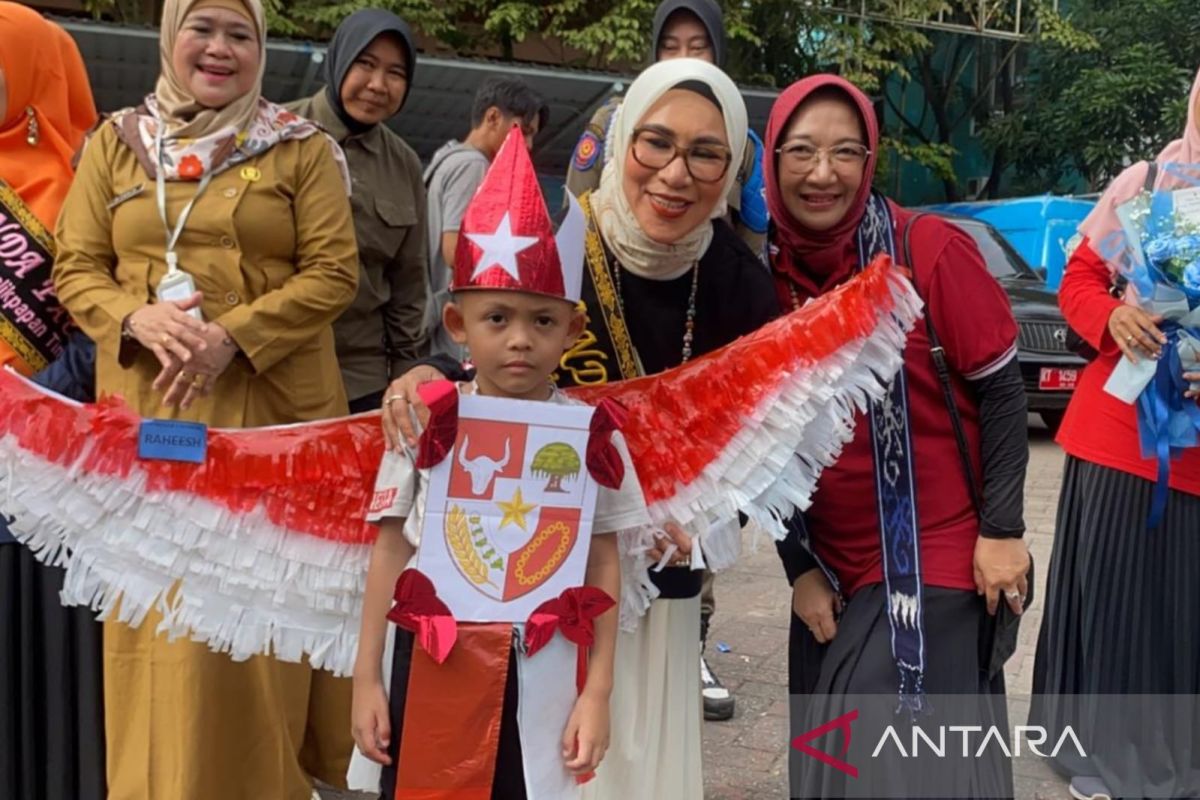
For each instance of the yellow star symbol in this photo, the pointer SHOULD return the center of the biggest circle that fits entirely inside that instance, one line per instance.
(515, 510)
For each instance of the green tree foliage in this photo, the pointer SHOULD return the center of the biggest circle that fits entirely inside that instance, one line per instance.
(1089, 107)
(556, 461)
(774, 42)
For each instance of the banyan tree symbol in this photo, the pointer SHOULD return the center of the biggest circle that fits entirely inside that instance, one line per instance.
(557, 461)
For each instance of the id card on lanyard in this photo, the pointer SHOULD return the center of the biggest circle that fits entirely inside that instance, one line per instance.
(176, 285)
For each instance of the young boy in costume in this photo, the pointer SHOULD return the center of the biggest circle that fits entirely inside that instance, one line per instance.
(515, 307)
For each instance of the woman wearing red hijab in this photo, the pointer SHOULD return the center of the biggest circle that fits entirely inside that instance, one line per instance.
(896, 595)
(51, 720)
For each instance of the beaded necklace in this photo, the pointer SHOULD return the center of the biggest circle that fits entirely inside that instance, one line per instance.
(689, 327)
(795, 295)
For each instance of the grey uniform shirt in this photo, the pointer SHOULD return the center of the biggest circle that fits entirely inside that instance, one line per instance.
(453, 175)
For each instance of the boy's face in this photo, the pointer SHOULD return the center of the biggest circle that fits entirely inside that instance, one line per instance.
(515, 339)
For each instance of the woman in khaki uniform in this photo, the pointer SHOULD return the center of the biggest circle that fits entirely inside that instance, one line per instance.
(269, 245)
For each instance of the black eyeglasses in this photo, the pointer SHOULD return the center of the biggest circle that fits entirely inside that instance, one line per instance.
(706, 163)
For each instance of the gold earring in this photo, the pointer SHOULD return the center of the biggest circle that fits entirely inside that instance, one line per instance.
(31, 127)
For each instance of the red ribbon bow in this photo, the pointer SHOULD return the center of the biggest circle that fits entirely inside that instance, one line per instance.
(418, 609)
(441, 397)
(571, 614)
(604, 460)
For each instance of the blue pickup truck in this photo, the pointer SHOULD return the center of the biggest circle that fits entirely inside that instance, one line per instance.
(1042, 228)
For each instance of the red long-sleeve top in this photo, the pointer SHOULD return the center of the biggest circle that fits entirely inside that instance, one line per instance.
(1098, 427)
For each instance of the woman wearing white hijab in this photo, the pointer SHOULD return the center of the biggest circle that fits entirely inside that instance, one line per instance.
(667, 280)
(269, 250)
(684, 284)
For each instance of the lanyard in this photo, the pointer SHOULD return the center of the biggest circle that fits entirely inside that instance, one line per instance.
(173, 234)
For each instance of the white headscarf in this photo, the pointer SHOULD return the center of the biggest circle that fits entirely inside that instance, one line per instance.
(636, 251)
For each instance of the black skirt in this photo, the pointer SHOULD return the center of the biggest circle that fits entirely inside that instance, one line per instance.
(856, 672)
(1122, 621)
(51, 714)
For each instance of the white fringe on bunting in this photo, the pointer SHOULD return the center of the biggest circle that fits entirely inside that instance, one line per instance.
(239, 583)
(245, 586)
(771, 466)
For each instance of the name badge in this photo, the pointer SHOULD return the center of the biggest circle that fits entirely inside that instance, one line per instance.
(124, 196)
(172, 440)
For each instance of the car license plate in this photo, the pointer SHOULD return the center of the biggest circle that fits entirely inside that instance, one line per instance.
(1057, 379)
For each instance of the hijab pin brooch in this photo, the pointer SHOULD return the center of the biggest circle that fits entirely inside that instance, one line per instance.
(251, 174)
(31, 127)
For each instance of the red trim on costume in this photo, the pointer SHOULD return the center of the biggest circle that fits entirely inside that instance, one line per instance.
(417, 609)
(441, 397)
(452, 714)
(572, 614)
(604, 461)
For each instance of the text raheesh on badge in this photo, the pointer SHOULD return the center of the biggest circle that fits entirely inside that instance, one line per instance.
(173, 440)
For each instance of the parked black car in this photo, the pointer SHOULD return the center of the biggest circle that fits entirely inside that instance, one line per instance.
(1050, 370)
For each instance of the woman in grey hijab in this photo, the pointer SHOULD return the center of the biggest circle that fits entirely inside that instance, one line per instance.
(369, 71)
(676, 33)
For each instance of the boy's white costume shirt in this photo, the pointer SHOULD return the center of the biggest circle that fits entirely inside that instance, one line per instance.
(547, 678)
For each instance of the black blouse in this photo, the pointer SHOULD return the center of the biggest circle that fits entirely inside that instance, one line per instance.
(735, 296)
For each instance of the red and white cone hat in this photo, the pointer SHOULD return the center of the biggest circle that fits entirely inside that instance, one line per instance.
(506, 240)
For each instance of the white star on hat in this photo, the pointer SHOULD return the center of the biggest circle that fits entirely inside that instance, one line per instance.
(500, 248)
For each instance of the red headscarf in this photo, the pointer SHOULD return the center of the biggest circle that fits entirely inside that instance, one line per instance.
(44, 72)
(815, 260)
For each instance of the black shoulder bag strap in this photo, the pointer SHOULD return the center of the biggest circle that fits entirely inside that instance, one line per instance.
(942, 367)
(998, 634)
(1151, 176)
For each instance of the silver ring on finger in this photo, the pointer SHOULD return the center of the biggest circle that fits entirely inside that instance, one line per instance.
(1013, 595)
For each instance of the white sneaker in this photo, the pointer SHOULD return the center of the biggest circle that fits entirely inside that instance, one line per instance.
(718, 702)
(1089, 788)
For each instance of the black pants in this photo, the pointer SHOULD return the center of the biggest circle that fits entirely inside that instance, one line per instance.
(51, 687)
(368, 402)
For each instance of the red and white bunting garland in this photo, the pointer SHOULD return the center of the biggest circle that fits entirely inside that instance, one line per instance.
(263, 548)
(264, 544)
(751, 426)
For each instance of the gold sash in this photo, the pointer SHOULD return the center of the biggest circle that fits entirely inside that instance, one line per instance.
(606, 337)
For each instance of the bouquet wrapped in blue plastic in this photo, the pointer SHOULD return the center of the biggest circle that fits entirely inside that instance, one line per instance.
(1157, 249)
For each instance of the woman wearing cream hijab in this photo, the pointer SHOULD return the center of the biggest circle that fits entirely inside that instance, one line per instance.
(268, 247)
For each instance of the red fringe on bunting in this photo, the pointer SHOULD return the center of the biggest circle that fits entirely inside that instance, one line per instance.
(316, 477)
(679, 421)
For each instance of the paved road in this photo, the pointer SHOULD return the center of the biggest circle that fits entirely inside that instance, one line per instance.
(746, 757)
